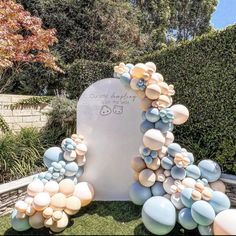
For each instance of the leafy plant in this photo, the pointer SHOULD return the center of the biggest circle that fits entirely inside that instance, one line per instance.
(4, 127)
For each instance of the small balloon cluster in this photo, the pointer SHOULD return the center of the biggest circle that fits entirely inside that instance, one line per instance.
(55, 194)
(168, 184)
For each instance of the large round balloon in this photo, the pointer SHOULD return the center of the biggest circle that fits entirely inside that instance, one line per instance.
(138, 194)
(224, 223)
(159, 215)
(203, 213)
(181, 114)
(186, 220)
(157, 189)
(19, 224)
(210, 170)
(153, 139)
(186, 197)
(219, 201)
(53, 154)
(37, 220)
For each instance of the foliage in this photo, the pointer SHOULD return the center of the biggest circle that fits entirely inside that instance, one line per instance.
(32, 102)
(62, 120)
(100, 218)
(20, 154)
(4, 127)
(203, 72)
(105, 30)
(22, 37)
(190, 18)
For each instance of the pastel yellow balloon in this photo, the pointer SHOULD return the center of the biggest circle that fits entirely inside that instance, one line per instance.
(67, 187)
(218, 186)
(51, 187)
(151, 67)
(81, 149)
(155, 164)
(138, 71)
(61, 224)
(41, 201)
(37, 220)
(153, 91)
(147, 177)
(138, 164)
(48, 222)
(145, 103)
(153, 139)
(73, 205)
(224, 223)
(181, 114)
(84, 191)
(35, 187)
(47, 213)
(58, 201)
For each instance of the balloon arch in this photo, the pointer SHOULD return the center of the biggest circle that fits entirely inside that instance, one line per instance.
(167, 182)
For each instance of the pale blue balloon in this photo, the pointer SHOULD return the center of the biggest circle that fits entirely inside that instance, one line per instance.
(186, 220)
(157, 189)
(53, 154)
(153, 114)
(125, 79)
(159, 215)
(190, 157)
(193, 171)
(178, 173)
(205, 230)
(163, 127)
(209, 170)
(219, 201)
(143, 115)
(130, 66)
(71, 168)
(80, 172)
(19, 224)
(138, 194)
(186, 197)
(167, 162)
(146, 125)
(203, 213)
(174, 148)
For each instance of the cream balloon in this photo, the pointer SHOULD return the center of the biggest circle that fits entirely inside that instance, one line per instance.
(138, 164)
(153, 91)
(67, 187)
(41, 201)
(151, 67)
(61, 224)
(181, 114)
(157, 77)
(147, 177)
(51, 187)
(36, 186)
(37, 220)
(169, 138)
(58, 201)
(153, 139)
(73, 205)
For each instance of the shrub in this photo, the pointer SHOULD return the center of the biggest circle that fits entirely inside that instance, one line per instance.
(203, 72)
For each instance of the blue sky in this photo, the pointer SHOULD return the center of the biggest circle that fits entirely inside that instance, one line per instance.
(225, 14)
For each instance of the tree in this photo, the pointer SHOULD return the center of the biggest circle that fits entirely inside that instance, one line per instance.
(190, 18)
(22, 38)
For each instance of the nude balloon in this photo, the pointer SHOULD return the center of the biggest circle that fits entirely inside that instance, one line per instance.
(153, 139)
(138, 164)
(181, 114)
(37, 220)
(147, 177)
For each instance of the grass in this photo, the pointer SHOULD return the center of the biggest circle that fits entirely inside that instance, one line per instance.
(99, 218)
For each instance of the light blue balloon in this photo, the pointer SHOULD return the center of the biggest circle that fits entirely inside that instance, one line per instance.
(159, 215)
(53, 154)
(143, 115)
(186, 197)
(146, 125)
(167, 162)
(193, 171)
(186, 220)
(205, 230)
(56, 166)
(125, 79)
(209, 170)
(173, 148)
(19, 224)
(157, 189)
(178, 173)
(80, 172)
(48, 176)
(152, 114)
(219, 201)
(190, 157)
(163, 127)
(138, 194)
(71, 168)
(130, 66)
(203, 213)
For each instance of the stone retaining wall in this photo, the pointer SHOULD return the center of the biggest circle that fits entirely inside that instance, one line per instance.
(22, 118)
(16, 190)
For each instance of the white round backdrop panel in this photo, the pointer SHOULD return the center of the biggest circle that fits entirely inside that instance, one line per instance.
(108, 116)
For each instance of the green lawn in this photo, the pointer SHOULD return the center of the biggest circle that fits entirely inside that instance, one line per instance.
(99, 218)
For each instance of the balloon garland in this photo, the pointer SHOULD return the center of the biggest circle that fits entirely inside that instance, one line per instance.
(167, 182)
(55, 194)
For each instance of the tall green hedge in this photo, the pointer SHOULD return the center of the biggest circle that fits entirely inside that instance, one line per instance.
(203, 72)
